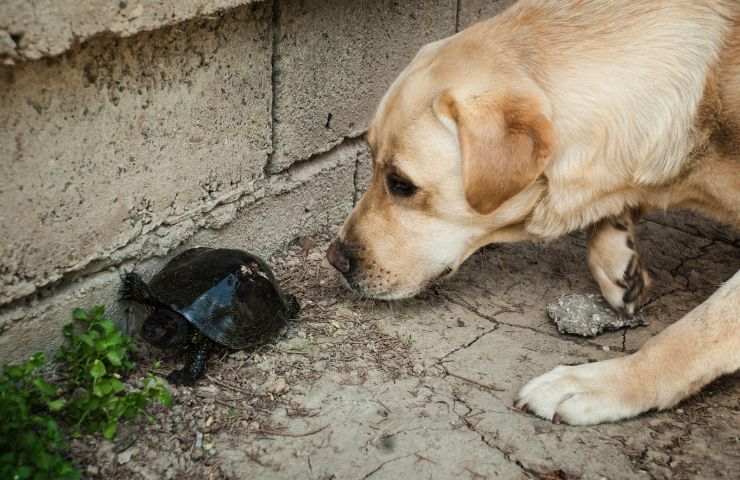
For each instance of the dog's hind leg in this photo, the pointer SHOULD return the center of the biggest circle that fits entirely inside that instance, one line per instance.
(615, 262)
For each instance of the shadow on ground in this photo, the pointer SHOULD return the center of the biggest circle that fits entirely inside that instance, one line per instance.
(423, 388)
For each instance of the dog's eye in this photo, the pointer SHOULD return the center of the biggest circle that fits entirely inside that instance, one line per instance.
(400, 186)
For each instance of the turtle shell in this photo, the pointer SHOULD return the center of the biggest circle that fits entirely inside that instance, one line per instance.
(230, 296)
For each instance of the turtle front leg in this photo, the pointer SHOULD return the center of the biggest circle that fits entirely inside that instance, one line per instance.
(195, 367)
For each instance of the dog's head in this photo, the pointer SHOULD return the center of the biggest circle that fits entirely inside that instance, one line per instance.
(453, 147)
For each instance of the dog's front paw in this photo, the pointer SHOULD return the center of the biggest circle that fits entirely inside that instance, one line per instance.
(586, 394)
(616, 265)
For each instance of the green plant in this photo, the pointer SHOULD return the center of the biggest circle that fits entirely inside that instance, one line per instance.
(91, 397)
(31, 442)
(95, 357)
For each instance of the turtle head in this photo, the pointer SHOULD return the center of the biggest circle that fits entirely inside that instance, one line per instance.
(165, 328)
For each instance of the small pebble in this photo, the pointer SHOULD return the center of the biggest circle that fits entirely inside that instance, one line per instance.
(278, 386)
(588, 315)
(125, 456)
(197, 454)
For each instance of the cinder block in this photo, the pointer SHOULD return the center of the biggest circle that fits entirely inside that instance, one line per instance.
(43, 28)
(302, 202)
(472, 11)
(109, 142)
(309, 198)
(334, 59)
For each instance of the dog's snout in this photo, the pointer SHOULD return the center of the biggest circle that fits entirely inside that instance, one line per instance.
(339, 257)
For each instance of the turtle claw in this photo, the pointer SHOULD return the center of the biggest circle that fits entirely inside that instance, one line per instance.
(294, 306)
(181, 377)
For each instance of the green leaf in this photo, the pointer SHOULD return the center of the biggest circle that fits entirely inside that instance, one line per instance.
(43, 387)
(89, 338)
(164, 397)
(56, 405)
(111, 342)
(37, 359)
(98, 310)
(110, 430)
(79, 314)
(108, 326)
(99, 390)
(98, 369)
(107, 386)
(22, 473)
(116, 385)
(14, 372)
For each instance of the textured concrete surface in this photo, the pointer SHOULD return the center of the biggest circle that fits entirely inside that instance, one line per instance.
(289, 206)
(102, 146)
(305, 199)
(230, 122)
(33, 29)
(334, 59)
(471, 11)
(424, 388)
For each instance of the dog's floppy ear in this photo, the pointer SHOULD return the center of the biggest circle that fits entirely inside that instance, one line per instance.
(505, 144)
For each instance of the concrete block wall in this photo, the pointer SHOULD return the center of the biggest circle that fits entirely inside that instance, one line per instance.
(131, 129)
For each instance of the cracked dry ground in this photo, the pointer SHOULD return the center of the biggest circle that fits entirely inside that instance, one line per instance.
(357, 389)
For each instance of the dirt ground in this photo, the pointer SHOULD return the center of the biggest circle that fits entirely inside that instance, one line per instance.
(358, 389)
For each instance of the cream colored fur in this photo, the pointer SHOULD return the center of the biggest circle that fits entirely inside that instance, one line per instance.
(559, 115)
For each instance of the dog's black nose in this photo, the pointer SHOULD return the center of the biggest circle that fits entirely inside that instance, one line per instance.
(339, 257)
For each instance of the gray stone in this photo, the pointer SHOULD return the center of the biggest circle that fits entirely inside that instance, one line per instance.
(46, 28)
(335, 59)
(121, 149)
(588, 315)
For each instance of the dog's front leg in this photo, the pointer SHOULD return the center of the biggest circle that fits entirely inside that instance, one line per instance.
(615, 262)
(669, 367)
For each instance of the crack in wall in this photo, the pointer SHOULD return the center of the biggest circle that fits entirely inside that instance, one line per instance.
(158, 238)
(29, 35)
(458, 8)
(329, 148)
(355, 187)
(274, 79)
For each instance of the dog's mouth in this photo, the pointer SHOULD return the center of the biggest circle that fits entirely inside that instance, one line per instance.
(366, 289)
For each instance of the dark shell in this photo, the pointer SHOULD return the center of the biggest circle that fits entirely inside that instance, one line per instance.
(231, 296)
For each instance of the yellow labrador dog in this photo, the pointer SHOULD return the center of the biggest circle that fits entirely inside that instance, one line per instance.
(554, 116)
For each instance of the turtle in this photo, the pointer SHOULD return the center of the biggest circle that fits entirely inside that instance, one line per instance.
(209, 298)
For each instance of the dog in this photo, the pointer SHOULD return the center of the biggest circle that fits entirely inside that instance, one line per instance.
(555, 116)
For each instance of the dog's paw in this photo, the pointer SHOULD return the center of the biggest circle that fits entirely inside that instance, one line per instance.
(632, 287)
(617, 267)
(586, 394)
